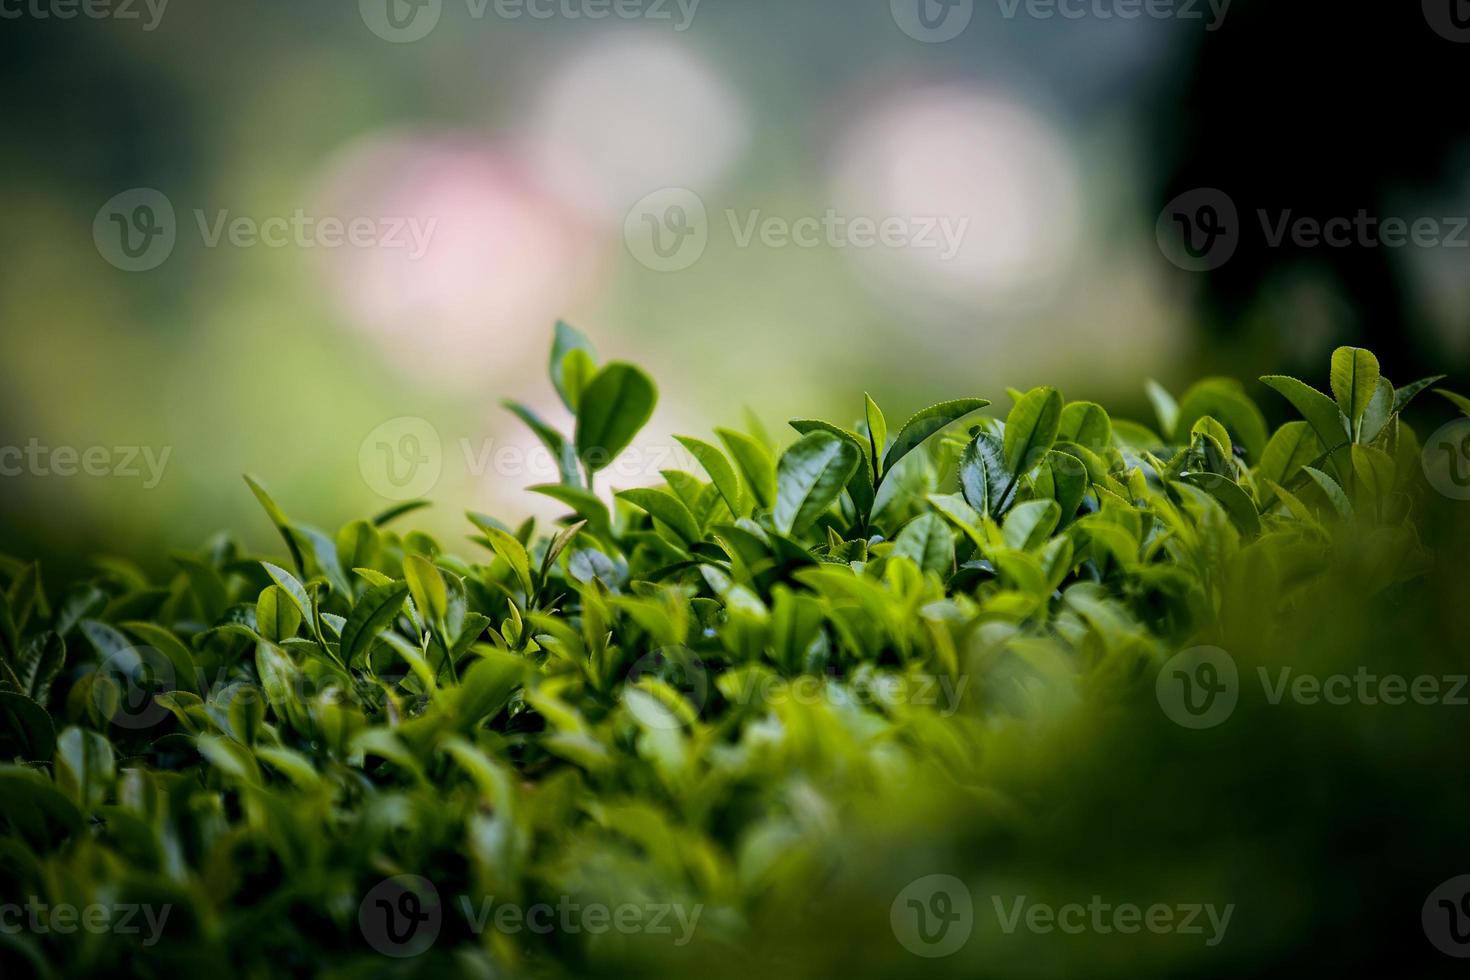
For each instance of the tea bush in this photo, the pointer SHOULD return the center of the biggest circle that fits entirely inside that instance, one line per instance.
(754, 703)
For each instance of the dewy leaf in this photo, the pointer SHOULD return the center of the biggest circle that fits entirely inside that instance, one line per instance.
(721, 473)
(877, 432)
(374, 610)
(810, 477)
(988, 484)
(426, 585)
(1031, 429)
(924, 424)
(755, 464)
(556, 444)
(1354, 376)
(509, 547)
(928, 542)
(665, 507)
(566, 340)
(616, 403)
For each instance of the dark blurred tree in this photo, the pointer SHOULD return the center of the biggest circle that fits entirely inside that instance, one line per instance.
(1326, 110)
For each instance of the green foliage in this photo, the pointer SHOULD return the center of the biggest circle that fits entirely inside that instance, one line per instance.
(603, 710)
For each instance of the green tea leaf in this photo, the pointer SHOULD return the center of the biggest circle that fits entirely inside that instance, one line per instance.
(509, 547)
(374, 610)
(810, 476)
(1165, 408)
(1225, 401)
(426, 585)
(276, 615)
(1086, 424)
(1320, 411)
(755, 465)
(1031, 429)
(1354, 376)
(569, 383)
(924, 424)
(665, 507)
(877, 433)
(556, 444)
(1402, 396)
(1460, 401)
(719, 469)
(616, 403)
(928, 542)
(988, 484)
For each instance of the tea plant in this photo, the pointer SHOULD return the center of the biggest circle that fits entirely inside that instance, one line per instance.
(689, 694)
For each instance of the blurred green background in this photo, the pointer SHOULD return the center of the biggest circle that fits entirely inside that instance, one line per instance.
(529, 141)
